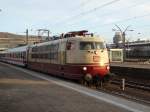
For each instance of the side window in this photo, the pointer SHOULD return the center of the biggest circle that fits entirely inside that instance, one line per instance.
(70, 45)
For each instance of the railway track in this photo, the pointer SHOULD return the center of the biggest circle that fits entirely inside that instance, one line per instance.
(125, 95)
(136, 91)
(132, 84)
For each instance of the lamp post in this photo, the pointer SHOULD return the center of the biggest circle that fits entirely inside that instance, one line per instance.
(123, 35)
(27, 36)
(28, 40)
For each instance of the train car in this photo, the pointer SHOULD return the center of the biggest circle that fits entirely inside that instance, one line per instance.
(2, 55)
(17, 56)
(77, 55)
(138, 51)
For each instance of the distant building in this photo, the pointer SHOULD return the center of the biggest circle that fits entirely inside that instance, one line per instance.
(9, 40)
(117, 39)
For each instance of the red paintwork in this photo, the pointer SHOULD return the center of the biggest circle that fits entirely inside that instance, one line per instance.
(69, 71)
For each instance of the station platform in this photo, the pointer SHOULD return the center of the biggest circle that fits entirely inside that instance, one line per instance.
(137, 65)
(22, 90)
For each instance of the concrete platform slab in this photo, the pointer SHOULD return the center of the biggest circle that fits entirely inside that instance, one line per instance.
(23, 90)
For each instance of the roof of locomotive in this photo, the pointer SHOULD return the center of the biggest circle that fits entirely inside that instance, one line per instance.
(77, 38)
(88, 38)
(17, 49)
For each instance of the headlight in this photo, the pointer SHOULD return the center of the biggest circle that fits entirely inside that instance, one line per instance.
(107, 67)
(101, 63)
(84, 68)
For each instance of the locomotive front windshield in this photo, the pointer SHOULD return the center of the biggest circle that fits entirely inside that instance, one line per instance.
(92, 45)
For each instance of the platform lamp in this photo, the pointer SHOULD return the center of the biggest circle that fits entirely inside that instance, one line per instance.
(27, 35)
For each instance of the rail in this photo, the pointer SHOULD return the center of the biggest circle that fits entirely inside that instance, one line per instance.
(132, 84)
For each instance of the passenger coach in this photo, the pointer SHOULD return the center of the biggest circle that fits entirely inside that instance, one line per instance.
(17, 56)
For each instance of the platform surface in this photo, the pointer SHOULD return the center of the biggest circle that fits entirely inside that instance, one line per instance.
(23, 90)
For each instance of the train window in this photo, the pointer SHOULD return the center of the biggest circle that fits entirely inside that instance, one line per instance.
(70, 45)
(20, 55)
(46, 47)
(56, 47)
(40, 49)
(34, 55)
(100, 45)
(52, 47)
(34, 49)
(86, 45)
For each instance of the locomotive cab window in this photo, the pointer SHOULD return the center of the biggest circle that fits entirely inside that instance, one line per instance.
(92, 45)
(100, 45)
(86, 45)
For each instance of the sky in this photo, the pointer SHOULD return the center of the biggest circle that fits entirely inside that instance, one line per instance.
(59, 16)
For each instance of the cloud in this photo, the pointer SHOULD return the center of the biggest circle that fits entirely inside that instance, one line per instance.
(144, 8)
(46, 13)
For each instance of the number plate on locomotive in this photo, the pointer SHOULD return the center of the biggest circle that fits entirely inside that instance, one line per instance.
(96, 58)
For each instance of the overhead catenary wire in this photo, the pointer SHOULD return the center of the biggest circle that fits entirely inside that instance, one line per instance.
(112, 23)
(87, 12)
(105, 14)
(85, 2)
(82, 4)
(108, 13)
(119, 21)
(99, 7)
(123, 20)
